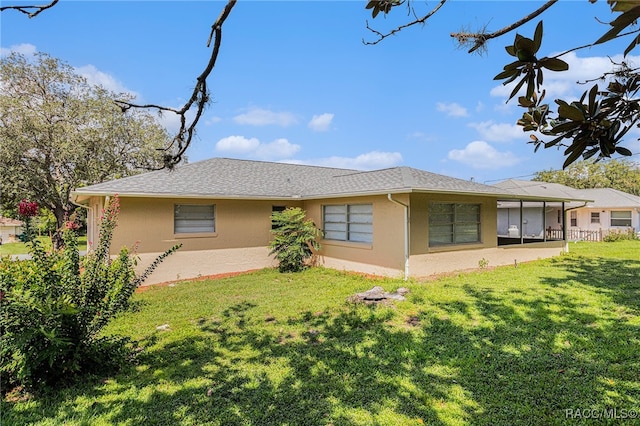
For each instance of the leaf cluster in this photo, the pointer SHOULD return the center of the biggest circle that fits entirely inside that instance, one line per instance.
(54, 306)
(527, 65)
(295, 238)
(383, 6)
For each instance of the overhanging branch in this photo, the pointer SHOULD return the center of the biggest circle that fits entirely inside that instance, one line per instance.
(30, 11)
(198, 100)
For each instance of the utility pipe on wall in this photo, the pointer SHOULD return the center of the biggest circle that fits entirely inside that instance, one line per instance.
(406, 235)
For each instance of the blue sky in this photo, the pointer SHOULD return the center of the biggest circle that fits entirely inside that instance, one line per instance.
(295, 83)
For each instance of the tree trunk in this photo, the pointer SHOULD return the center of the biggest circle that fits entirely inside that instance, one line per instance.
(62, 215)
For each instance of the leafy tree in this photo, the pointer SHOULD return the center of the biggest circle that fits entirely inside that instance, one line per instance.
(622, 175)
(58, 132)
(294, 239)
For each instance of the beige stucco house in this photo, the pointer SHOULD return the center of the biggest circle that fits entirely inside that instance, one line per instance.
(10, 229)
(396, 222)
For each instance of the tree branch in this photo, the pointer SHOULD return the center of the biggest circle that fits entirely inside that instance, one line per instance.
(27, 9)
(421, 20)
(199, 97)
(480, 39)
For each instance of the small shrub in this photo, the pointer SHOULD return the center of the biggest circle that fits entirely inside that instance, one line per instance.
(54, 306)
(619, 235)
(294, 239)
(483, 263)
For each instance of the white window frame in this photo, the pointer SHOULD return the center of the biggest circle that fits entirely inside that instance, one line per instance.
(595, 217)
(194, 218)
(348, 222)
(621, 221)
(457, 224)
(573, 218)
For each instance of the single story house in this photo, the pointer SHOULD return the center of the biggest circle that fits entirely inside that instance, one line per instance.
(593, 213)
(398, 221)
(10, 229)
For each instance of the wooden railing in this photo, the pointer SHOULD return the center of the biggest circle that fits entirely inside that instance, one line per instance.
(580, 234)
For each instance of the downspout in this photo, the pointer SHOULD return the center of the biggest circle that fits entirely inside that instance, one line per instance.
(406, 235)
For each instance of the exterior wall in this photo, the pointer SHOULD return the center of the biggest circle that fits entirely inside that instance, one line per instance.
(436, 263)
(243, 232)
(387, 249)
(9, 233)
(148, 223)
(583, 216)
(201, 263)
(420, 222)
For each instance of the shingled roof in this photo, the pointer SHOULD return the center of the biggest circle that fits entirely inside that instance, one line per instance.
(231, 178)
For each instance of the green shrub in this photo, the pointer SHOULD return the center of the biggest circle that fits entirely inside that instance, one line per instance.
(53, 307)
(618, 235)
(294, 239)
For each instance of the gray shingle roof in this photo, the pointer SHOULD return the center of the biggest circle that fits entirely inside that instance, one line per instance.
(609, 197)
(231, 178)
(541, 189)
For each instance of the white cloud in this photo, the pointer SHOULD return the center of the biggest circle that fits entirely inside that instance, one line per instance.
(369, 161)
(321, 123)
(96, 77)
(25, 49)
(452, 109)
(252, 147)
(264, 117)
(498, 132)
(481, 155)
(237, 144)
(280, 148)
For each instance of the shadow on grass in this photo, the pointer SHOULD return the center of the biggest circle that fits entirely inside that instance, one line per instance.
(496, 357)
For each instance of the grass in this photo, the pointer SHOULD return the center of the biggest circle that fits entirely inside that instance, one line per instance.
(23, 248)
(508, 346)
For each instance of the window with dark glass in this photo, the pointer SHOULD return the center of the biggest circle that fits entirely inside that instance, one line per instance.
(621, 218)
(348, 222)
(194, 218)
(595, 217)
(454, 223)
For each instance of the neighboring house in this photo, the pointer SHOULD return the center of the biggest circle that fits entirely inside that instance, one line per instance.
(396, 222)
(10, 229)
(592, 214)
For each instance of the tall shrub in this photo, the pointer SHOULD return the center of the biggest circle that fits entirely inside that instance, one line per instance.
(54, 306)
(294, 239)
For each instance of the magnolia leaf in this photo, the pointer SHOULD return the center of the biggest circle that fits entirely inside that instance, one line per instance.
(511, 50)
(623, 151)
(506, 74)
(570, 112)
(525, 102)
(537, 37)
(554, 64)
(620, 23)
(632, 45)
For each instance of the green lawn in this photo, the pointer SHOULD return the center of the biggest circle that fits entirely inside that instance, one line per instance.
(22, 248)
(508, 346)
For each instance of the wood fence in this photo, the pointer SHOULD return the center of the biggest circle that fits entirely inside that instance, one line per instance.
(580, 234)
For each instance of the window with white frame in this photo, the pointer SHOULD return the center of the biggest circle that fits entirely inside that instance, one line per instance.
(573, 216)
(348, 222)
(595, 217)
(621, 218)
(454, 223)
(194, 218)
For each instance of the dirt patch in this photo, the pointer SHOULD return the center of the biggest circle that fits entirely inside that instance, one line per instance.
(145, 287)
